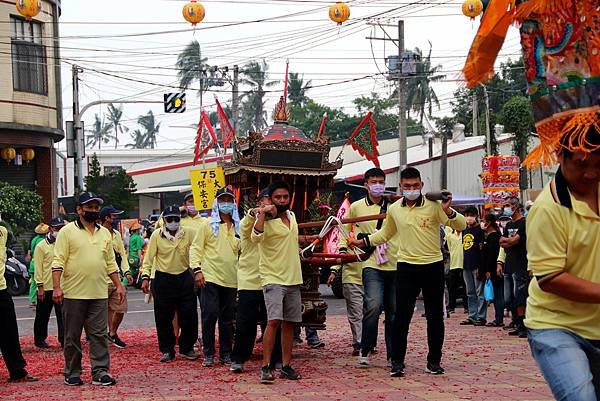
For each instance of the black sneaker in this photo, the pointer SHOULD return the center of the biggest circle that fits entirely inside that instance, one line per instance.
(116, 341)
(236, 367)
(466, 322)
(43, 345)
(266, 375)
(434, 369)
(167, 357)
(105, 380)
(317, 344)
(523, 333)
(287, 372)
(225, 360)
(397, 369)
(73, 381)
(190, 355)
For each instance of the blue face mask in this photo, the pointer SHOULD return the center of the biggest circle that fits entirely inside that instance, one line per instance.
(508, 211)
(226, 208)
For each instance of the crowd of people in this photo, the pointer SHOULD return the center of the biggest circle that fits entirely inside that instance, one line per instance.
(245, 271)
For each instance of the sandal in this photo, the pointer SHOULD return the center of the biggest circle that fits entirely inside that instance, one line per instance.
(495, 324)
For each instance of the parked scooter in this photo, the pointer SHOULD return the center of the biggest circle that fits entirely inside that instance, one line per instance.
(16, 274)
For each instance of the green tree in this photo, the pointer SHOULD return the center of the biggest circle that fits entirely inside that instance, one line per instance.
(115, 114)
(253, 110)
(517, 118)
(99, 134)
(138, 140)
(192, 67)
(151, 128)
(20, 207)
(116, 188)
(297, 88)
(420, 96)
(308, 118)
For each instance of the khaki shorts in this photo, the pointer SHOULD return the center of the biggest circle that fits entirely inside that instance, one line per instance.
(283, 302)
(113, 300)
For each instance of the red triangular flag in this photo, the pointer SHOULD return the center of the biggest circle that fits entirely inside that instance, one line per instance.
(365, 141)
(227, 132)
(322, 127)
(204, 142)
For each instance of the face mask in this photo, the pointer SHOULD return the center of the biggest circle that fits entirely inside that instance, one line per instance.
(376, 189)
(172, 226)
(226, 208)
(470, 220)
(282, 208)
(411, 194)
(508, 211)
(91, 217)
(526, 213)
(191, 210)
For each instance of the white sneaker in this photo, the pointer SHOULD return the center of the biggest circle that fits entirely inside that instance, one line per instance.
(363, 362)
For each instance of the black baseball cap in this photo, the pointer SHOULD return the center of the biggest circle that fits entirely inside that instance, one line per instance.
(188, 195)
(108, 210)
(89, 197)
(264, 193)
(171, 211)
(56, 222)
(225, 191)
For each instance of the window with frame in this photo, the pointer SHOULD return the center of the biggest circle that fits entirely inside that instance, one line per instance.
(28, 56)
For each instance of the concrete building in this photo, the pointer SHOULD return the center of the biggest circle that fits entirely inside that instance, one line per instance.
(30, 98)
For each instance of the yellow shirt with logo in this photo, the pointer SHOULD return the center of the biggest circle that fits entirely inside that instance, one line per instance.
(563, 239)
(279, 252)
(455, 246)
(167, 255)
(418, 229)
(3, 240)
(85, 260)
(42, 258)
(117, 243)
(364, 207)
(248, 274)
(218, 256)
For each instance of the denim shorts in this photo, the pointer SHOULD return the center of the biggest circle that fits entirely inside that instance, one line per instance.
(521, 289)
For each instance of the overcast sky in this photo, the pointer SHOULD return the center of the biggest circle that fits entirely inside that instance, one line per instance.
(128, 50)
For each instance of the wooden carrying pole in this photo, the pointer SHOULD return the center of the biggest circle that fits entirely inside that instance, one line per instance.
(316, 224)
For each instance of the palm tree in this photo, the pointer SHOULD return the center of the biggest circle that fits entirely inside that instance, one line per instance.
(419, 93)
(99, 134)
(148, 122)
(297, 89)
(115, 114)
(138, 140)
(192, 67)
(255, 75)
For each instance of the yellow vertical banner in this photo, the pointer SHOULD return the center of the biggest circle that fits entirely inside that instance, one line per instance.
(205, 184)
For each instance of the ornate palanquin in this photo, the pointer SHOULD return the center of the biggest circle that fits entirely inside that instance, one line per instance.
(284, 152)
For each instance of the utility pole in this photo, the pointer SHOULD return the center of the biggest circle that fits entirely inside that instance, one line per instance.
(475, 114)
(78, 133)
(402, 157)
(235, 99)
(488, 135)
(444, 160)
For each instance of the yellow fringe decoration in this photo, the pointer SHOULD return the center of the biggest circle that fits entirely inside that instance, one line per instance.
(573, 129)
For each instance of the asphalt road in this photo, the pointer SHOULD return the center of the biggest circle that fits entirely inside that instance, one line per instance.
(140, 314)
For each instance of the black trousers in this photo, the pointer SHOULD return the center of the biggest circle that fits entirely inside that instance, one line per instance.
(217, 303)
(251, 311)
(456, 288)
(9, 338)
(410, 280)
(175, 293)
(43, 309)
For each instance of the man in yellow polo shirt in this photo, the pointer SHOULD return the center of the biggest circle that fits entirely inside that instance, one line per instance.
(83, 257)
(563, 249)
(9, 339)
(281, 275)
(116, 309)
(378, 273)
(43, 256)
(251, 308)
(214, 255)
(168, 258)
(420, 264)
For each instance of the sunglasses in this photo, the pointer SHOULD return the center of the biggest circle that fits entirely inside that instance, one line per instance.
(172, 219)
